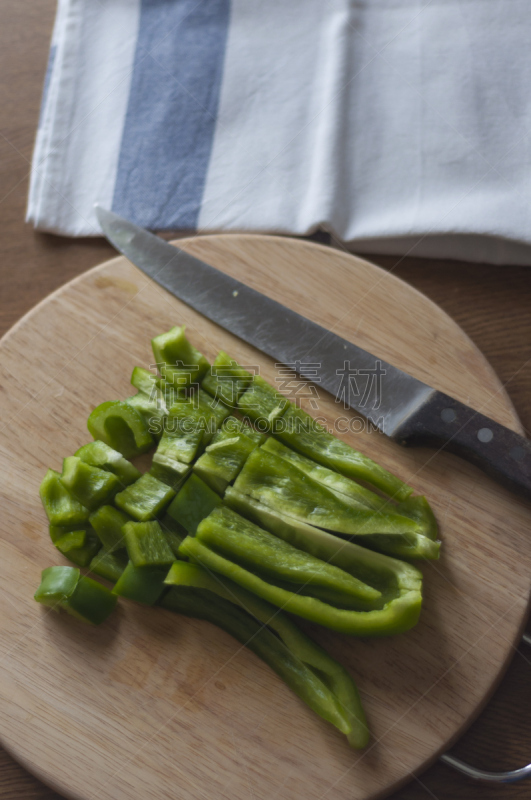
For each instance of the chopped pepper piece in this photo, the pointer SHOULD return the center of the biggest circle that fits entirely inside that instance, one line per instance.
(108, 565)
(336, 687)
(146, 545)
(174, 533)
(173, 474)
(61, 508)
(83, 598)
(90, 485)
(279, 562)
(235, 426)
(99, 454)
(263, 404)
(120, 426)
(226, 380)
(108, 522)
(193, 502)
(302, 433)
(223, 458)
(145, 498)
(280, 485)
(178, 361)
(143, 584)
(189, 426)
(79, 546)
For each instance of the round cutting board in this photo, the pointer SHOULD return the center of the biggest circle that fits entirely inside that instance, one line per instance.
(153, 705)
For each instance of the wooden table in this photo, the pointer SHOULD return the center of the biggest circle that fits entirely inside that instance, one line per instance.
(492, 304)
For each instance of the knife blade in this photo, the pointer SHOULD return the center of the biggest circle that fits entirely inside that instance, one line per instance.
(404, 408)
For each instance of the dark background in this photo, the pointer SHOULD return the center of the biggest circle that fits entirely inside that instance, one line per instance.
(492, 304)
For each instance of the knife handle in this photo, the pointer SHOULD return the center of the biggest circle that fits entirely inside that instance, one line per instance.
(444, 422)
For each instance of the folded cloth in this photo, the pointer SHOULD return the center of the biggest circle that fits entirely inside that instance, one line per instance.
(401, 126)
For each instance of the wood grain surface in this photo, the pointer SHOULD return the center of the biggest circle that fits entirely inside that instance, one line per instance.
(490, 303)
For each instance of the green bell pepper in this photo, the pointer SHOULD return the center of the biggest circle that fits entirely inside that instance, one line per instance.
(323, 684)
(83, 598)
(230, 535)
(263, 404)
(120, 426)
(235, 427)
(108, 522)
(178, 361)
(109, 565)
(280, 485)
(190, 425)
(90, 485)
(61, 508)
(302, 433)
(174, 533)
(412, 546)
(142, 584)
(172, 473)
(223, 458)
(144, 499)
(146, 545)
(98, 454)
(226, 380)
(79, 546)
(420, 510)
(194, 501)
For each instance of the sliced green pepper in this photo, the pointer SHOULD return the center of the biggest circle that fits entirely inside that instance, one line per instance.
(109, 565)
(236, 426)
(61, 508)
(99, 454)
(226, 380)
(263, 404)
(79, 546)
(413, 546)
(178, 361)
(90, 485)
(120, 426)
(146, 545)
(302, 433)
(420, 510)
(108, 522)
(143, 584)
(83, 598)
(223, 458)
(174, 533)
(172, 473)
(229, 534)
(280, 485)
(311, 673)
(144, 499)
(393, 578)
(189, 425)
(193, 502)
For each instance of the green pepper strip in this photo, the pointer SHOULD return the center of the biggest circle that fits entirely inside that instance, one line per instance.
(194, 501)
(278, 561)
(223, 458)
(399, 615)
(279, 484)
(120, 426)
(178, 361)
(301, 432)
(334, 697)
(226, 380)
(262, 403)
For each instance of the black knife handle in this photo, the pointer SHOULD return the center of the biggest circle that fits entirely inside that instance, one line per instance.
(444, 422)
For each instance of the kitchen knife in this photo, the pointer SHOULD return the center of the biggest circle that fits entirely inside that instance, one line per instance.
(402, 407)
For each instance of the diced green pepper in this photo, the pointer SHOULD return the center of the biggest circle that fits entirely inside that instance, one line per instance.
(99, 454)
(108, 522)
(194, 501)
(79, 546)
(120, 426)
(279, 484)
(61, 508)
(178, 361)
(57, 584)
(174, 533)
(172, 473)
(302, 433)
(90, 485)
(188, 426)
(244, 543)
(262, 403)
(143, 380)
(226, 380)
(109, 565)
(223, 459)
(143, 584)
(83, 598)
(145, 498)
(337, 686)
(235, 426)
(146, 545)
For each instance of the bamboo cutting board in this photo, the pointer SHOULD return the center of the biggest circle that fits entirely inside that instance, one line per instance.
(153, 705)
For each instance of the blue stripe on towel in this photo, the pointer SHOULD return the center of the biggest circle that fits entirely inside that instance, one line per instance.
(171, 116)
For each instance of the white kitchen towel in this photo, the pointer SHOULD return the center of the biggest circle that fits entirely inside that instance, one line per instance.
(402, 126)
